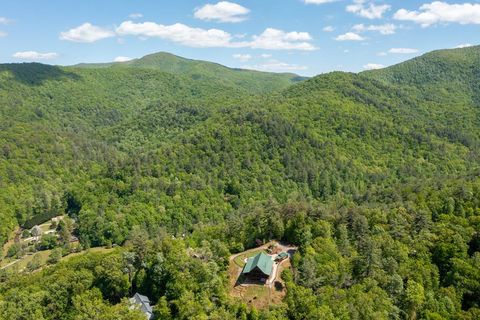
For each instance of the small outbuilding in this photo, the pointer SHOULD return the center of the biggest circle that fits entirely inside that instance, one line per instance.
(143, 303)
(281, 256)
(258, 268)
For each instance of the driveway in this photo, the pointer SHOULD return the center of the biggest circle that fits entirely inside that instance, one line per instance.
(10, 264)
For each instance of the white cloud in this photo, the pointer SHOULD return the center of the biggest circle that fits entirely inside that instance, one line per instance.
(34, 55)
(464, 45)
(318, 1)
(403, 50)
(373, 66)
(328, 29)
(223, 11)
(270, 39)
(442, 12)
(135, 15)
(369, 11)
(274, 39)
(381, 54)
(242, 57)
(86, 33)
(384, 29)
(122, 59)
(180, 33)
(3, 34)
(265, 55)
(276, 66)
(350, 36)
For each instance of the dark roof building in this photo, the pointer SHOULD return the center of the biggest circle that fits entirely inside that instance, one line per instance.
(143, 303)
(258, 267)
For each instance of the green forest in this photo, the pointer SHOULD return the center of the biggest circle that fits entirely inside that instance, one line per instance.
(177, 164)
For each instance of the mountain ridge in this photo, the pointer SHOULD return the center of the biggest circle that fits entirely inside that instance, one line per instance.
(252, 80)
(145, 61)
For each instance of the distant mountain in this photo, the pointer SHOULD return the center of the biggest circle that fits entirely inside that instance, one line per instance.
(439, 66)
(253, 81)
(446, 85)
(439, 74)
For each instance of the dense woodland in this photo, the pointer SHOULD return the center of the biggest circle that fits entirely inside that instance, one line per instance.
(375, 176)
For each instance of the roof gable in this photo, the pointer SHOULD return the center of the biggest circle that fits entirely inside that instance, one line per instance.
(144, 303)
(261, 261)
(142, 297)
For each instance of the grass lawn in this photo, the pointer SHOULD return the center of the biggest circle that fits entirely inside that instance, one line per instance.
(258, 296)
(91, 250)
(45, 226)
(22, 263)
(4, 262)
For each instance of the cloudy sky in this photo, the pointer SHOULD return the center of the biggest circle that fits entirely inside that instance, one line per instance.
(307, 37)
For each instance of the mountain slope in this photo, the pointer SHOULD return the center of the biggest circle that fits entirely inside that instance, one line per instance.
(451, 75)
(436, 67)
(253, 81)
(294, 141)
(445, 84)
(52, 119)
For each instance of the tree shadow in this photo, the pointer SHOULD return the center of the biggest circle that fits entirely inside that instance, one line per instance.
(35, 74)
(278, 286)
(243, 280)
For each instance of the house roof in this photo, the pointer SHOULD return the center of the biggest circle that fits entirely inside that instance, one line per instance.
(144, 304)
(261, 261)
(142, 298)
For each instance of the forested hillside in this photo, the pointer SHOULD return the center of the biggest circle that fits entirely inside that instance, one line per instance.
(253, 81)
(375, 176)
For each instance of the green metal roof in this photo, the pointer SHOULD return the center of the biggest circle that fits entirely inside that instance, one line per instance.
(261, 261)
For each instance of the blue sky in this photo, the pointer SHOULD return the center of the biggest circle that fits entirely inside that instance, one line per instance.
(307, 37)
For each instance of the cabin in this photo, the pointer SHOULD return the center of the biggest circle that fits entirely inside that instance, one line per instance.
(258, 268)
(143, 303)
